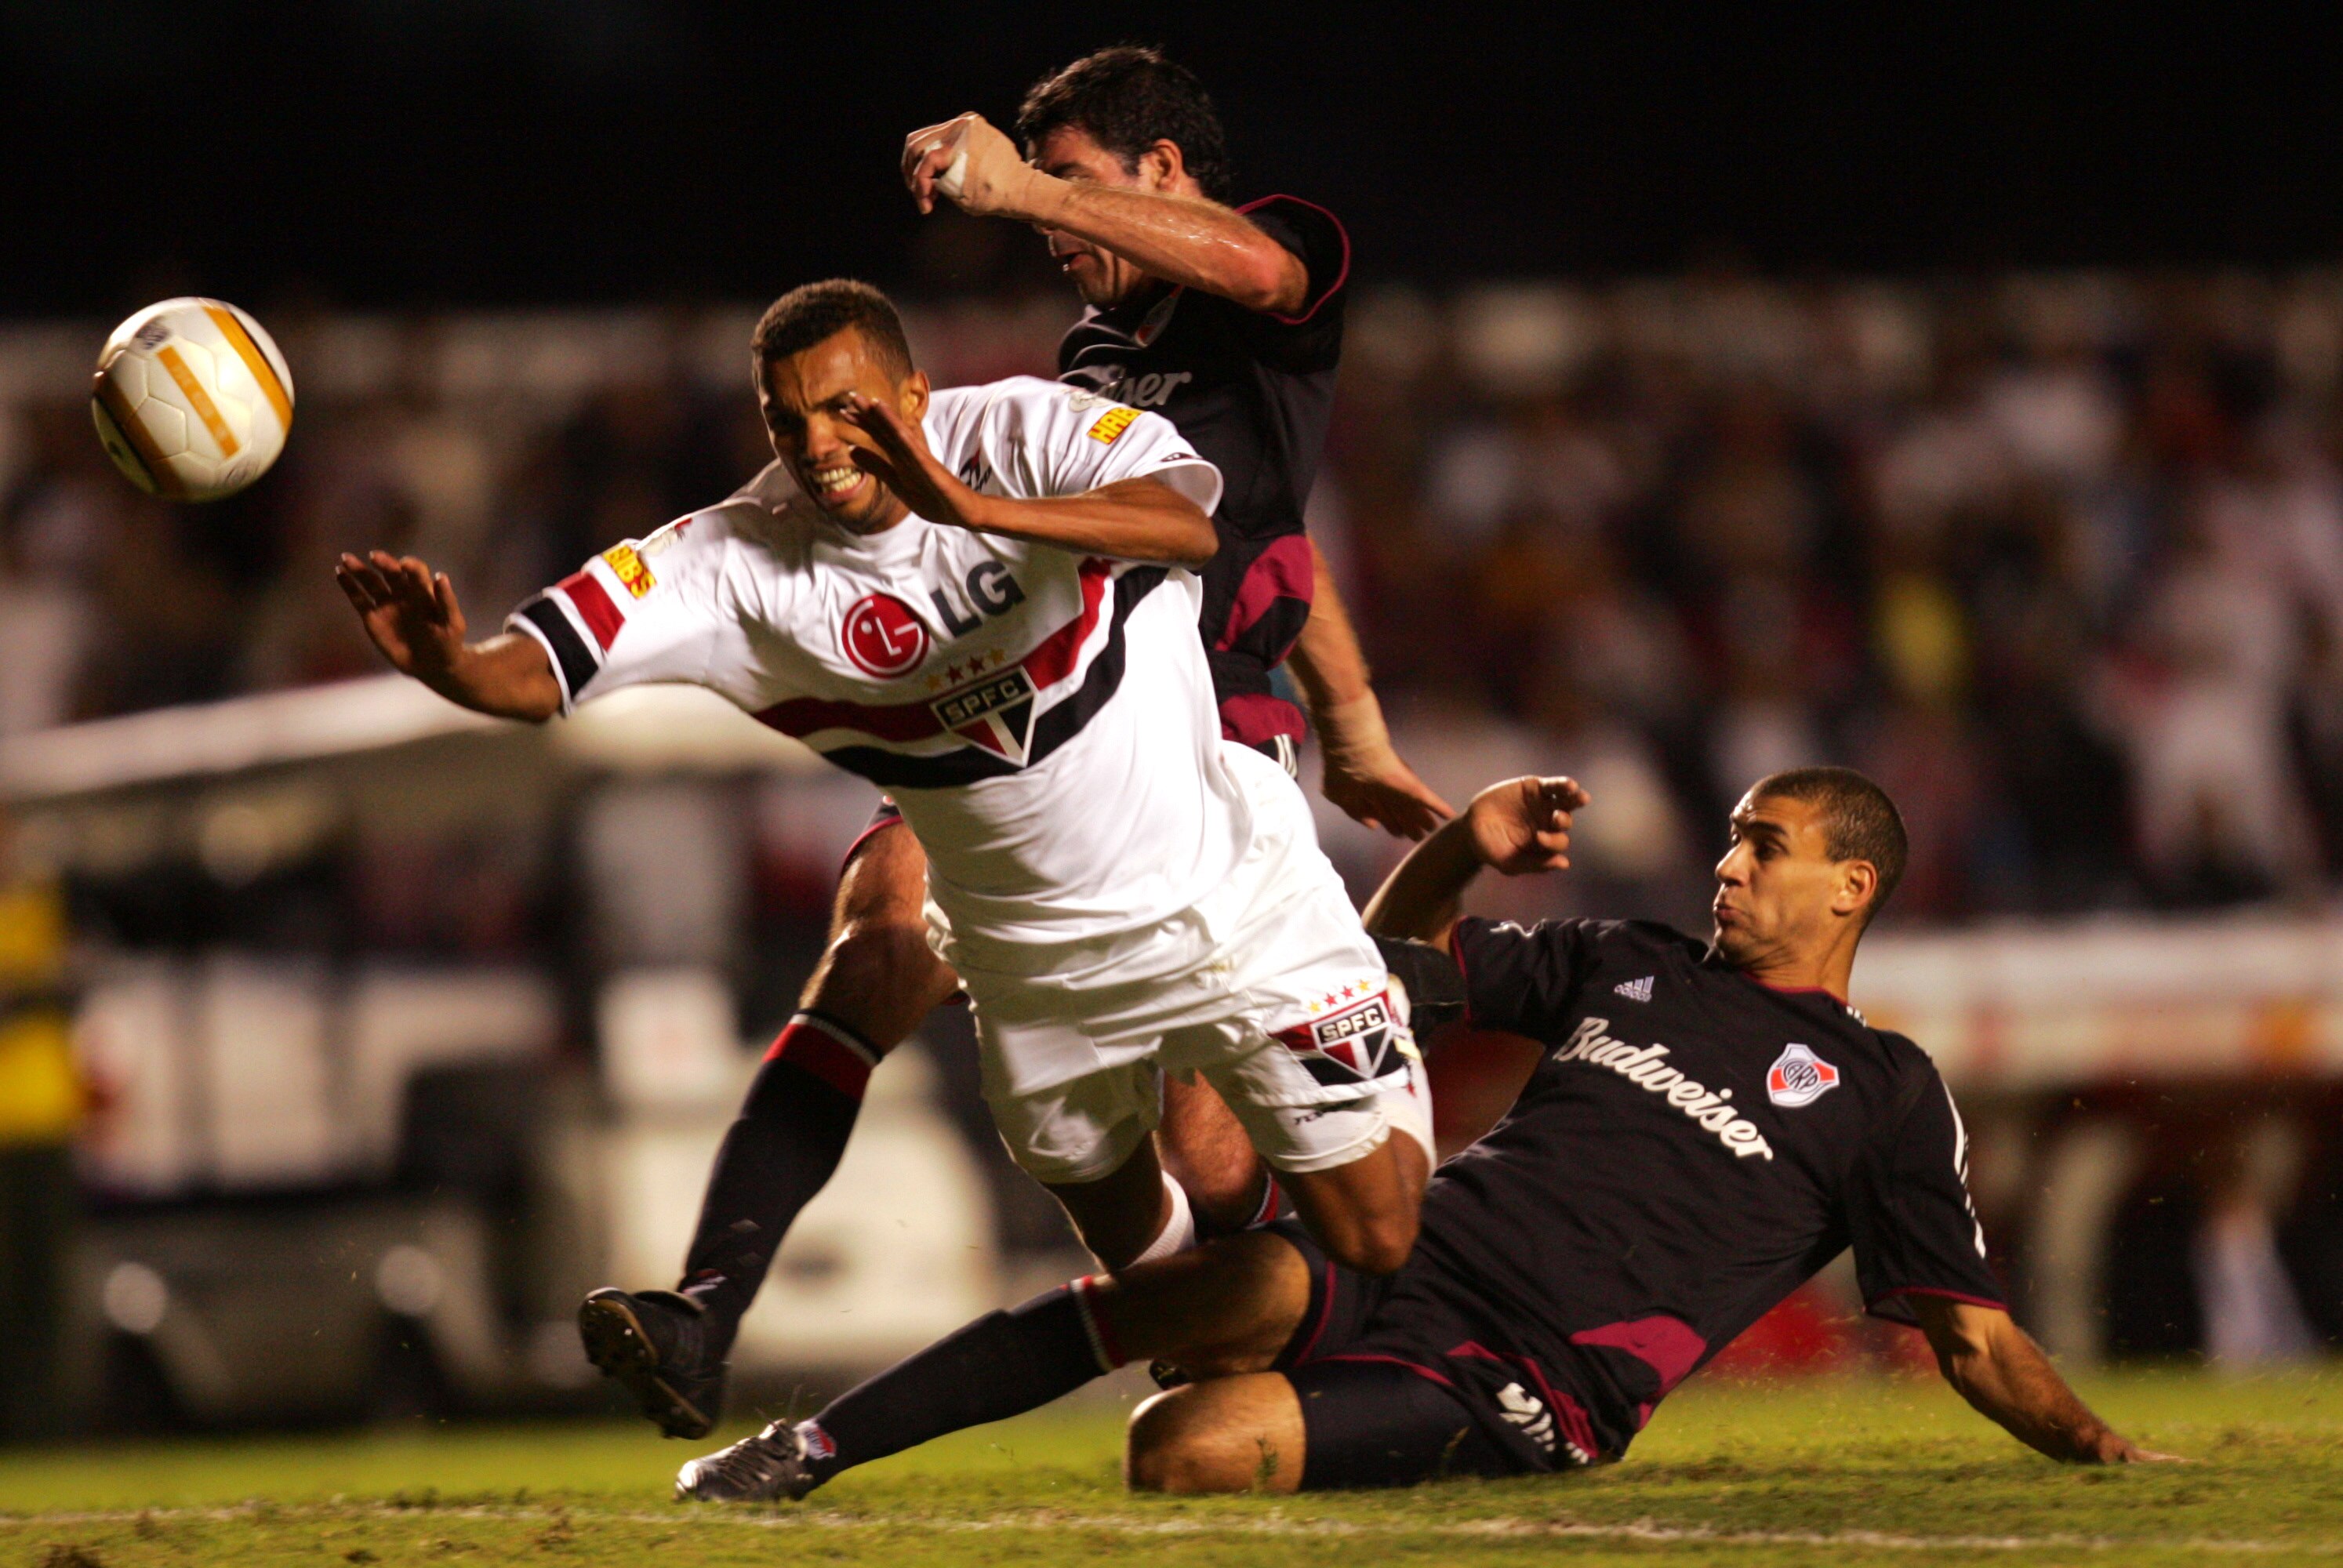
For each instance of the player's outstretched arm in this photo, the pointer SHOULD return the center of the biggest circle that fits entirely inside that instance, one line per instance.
(1363, 774)
(1191, 243)
(1138, 519)
(412, 615)
(1520, 825)
(2000, 1371)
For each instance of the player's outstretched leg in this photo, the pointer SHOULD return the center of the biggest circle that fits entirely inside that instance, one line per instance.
(1229, 1307)
(876, 982)
(1333, 1424)
(1240, 1433)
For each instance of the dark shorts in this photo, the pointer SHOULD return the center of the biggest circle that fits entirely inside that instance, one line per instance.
(1398, 1385)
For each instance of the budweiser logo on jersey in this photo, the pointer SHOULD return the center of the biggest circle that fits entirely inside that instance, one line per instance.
(1799, 1077)
(882, 637)
(1356, 1045)
(996, 714)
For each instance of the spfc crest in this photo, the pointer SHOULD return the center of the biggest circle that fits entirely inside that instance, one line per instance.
(1799, 1077)
(1357, 1045)
(996, 713)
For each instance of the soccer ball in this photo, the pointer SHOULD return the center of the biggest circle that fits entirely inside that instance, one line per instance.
(191, 399)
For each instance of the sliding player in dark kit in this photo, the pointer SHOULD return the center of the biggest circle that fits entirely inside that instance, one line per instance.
(1229, 323)
(1710, 1123)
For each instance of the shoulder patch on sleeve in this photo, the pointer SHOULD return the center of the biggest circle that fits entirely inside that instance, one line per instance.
(1112, 424)
(633, 573)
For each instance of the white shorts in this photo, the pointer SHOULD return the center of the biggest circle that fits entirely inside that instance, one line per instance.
(1088, 1127)
(1267, 988)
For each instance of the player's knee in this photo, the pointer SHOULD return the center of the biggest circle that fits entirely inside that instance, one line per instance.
(1225, 1187)
(1373, 1243)
(1173, 1449)
(887, 941)
(885, 955)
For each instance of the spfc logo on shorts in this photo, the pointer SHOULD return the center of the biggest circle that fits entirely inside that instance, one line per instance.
(996, 713)
(1799, 1077)
(1353, 1046)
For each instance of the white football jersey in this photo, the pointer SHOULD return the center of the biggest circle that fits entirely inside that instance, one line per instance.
(1044, 719)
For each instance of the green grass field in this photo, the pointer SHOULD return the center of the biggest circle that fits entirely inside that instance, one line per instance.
(1839, 1472)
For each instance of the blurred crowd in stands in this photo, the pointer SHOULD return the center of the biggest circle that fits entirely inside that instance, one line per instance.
(2059, 559)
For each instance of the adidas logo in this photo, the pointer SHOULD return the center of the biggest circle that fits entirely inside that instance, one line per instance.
(1636, 989)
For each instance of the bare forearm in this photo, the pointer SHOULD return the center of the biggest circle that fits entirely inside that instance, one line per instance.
(507, 677)
(1190, 243)
(1130, 520)
(2011, 1383)
(1327, 661)
(1420, 900)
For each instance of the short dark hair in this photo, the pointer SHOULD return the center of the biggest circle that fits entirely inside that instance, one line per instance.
(1128, 98)
(1859, 821)
(813, 312)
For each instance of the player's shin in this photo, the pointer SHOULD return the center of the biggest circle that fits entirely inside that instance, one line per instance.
(1132, 1214)
(1002, 1364)
(789, 1137)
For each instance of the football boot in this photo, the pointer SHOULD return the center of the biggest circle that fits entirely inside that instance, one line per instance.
(770, 1467)
(655, 1344)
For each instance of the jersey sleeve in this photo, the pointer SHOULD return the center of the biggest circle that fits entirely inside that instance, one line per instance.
(1521, 980)
(1044, 439)
(642, 611)
(1311, 338)
(1915, 1232)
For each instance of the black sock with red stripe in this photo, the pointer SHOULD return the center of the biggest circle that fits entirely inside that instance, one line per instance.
(789, 1137)
(1002, 1364)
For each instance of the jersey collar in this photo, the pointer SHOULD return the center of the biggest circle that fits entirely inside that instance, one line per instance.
(1713, 957)
(1140, 321)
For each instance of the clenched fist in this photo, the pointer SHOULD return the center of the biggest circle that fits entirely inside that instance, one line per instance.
(971, 164)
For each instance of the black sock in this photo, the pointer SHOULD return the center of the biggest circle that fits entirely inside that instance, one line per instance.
(789, 1139)
(1002, 1364)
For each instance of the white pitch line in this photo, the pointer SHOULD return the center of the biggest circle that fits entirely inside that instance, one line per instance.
(1273, 1524)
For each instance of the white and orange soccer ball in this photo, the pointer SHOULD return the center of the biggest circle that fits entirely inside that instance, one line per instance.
(191, 399)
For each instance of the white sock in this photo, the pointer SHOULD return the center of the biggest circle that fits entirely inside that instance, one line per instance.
(1179, 1232)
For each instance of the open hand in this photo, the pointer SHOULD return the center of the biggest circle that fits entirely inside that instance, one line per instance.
(903, 464)
(969, 162)
(409, 611)
(1523, 825)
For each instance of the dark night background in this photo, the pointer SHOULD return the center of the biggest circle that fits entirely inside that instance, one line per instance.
(402, 152)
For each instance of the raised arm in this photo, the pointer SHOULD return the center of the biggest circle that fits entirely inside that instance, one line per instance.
(1185, 240)
(1136, 520)
(412, 614)
(1520, 825)
(1363, 774)
(2003, 1373)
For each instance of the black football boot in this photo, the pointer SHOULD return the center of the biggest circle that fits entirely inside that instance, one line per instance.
(655, 1344)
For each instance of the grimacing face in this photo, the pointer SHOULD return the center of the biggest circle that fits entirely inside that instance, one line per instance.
(801, 396)
(1101, 278)
(1778, 891)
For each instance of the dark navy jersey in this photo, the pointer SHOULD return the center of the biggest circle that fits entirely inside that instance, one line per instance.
(1253, 394)
(1692, 1147)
